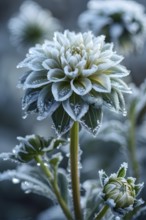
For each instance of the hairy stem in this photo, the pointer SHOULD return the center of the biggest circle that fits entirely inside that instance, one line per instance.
(101, 213)
(132, 141)
(55, 188)
(74, 152)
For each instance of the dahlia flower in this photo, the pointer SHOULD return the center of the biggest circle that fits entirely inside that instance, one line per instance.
(123, 22)
(32, 25)
(71, 78)
(120, 192)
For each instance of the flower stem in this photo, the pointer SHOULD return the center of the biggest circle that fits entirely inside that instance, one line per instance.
(55, 188)
(74, 148)
(101, 213)
(132, 141)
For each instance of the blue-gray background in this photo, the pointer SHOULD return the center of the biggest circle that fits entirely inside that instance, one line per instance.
(14, 204)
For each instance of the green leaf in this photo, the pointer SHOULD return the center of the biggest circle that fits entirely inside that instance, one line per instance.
(138, 188)
(81, 86)
(31, 95)
(92, 120)
(63, 185)
(122, 170)
(61, 90)
(36, 79)
(31, 146)
(101, 83)
(76, 107)
(55, 160)
(62, 121)
(46, 103)
(56, 75)
(119, 84)
(31, 179)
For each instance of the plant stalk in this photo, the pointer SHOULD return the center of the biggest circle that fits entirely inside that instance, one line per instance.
(55, 188)
(74, 153)
(132, 142)
(101, 213)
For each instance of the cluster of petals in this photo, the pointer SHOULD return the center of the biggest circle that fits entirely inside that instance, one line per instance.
(123, 22)
(32, 25)
(75, 72)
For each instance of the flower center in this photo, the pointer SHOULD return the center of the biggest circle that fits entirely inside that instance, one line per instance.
(76, 50)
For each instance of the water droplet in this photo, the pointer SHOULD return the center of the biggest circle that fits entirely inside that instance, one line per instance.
(124, 112)
(38, 164)
(46, 164)
(15, 180)
(28, 191)
(25, 115)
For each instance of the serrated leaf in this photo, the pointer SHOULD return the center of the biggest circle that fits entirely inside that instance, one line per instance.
(62, 121)
(63, 185)
(76, 107)
(92, 120)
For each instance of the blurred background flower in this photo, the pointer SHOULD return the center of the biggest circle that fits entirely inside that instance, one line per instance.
(32, 25)
(123, 22)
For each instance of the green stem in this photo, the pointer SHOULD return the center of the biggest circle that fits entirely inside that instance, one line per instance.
(55, 188)
(74, 148)
(101, 213)
(132, 141)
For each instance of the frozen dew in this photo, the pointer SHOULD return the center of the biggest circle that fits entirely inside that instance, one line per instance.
(124, 112)
(25, 115)
(15, 180)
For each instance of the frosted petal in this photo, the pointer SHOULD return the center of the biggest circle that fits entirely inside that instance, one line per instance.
(61, 90)
(36, 79)
(75, 107)
(81, 86)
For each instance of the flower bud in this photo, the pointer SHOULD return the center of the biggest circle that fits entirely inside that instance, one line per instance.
(120, 192)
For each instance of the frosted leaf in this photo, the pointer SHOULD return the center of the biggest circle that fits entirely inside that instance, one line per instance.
(81, 86)
(46, 103)
(75, 107)
(56, 75)
(62, 121)
(92, 120)
(31, 96)
(120, 85)
(31, 179)
(101, 83)
(36, 64)
(50, 64)
(61, 90)
(36, 80)
(93, 98)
